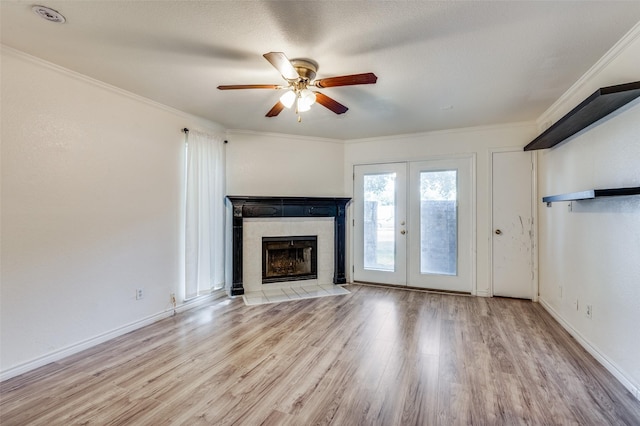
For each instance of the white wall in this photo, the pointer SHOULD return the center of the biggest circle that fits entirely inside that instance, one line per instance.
(474, 141)
(91, 210)
(286, 165)
(592, 254)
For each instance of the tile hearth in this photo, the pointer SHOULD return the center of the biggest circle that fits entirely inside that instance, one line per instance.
(293, 292)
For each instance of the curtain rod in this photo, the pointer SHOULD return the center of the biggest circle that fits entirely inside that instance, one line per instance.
(185, 130)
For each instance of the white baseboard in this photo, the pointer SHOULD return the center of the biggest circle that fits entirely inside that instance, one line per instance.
(589, 347)
(88, 343)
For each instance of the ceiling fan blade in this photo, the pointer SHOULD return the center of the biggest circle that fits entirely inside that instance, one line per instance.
(250, 86)
(347, 80)
(277, 108)
(280, 62)
(330, 103)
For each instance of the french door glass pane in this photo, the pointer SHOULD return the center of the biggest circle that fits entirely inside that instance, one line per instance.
(379, 221)
(438, 222)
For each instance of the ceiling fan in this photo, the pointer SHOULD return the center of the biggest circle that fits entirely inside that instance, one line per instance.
(300, 75)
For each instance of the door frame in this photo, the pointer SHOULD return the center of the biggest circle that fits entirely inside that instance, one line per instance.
(472, 156)
(534, 215)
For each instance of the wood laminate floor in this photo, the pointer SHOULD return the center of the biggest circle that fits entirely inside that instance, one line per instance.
(377, 356)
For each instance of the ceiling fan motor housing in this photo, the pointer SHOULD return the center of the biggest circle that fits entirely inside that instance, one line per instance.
(306, 68)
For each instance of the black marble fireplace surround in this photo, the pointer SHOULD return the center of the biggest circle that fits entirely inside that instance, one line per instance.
(245, 206)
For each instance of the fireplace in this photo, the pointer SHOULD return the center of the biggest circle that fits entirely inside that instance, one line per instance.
(289, 258)
(287, 208)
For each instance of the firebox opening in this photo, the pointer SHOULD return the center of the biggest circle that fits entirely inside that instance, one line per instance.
(289, 258)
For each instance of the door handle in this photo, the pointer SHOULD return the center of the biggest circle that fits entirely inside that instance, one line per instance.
(498, 232)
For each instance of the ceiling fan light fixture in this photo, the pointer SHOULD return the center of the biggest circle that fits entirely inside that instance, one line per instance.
(303, 105)
(288, 98)
(306, 98)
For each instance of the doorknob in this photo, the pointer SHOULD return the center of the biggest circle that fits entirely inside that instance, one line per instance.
(498, 232)
(403, 232)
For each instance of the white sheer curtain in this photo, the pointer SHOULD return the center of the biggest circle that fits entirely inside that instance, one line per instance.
(204, 233)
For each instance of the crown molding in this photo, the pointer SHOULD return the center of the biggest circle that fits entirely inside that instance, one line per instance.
(546, 119)
(203, 122)
(474, 129)
(231, 132)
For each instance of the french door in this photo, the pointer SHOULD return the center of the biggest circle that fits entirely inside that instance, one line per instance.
(413, 224)
(380, 225)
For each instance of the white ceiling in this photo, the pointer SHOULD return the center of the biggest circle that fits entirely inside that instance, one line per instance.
(440, 65)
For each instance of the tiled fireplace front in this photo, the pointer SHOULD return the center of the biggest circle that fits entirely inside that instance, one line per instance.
(255, 229)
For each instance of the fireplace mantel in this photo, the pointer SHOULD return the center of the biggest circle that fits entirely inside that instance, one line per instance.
(276, 207)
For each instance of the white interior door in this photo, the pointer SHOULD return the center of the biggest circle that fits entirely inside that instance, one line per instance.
(512, 221)
(380, 223)
(441, 224)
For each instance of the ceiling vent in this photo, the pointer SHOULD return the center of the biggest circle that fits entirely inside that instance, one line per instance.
(49, 14)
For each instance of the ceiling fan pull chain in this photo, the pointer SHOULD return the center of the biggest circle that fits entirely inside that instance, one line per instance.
(298, 113)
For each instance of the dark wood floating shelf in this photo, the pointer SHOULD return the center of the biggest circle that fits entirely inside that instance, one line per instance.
(600, 104)
(592, 193)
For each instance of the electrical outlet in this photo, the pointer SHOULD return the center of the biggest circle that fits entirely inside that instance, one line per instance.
(139, 294)
(589, 311)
